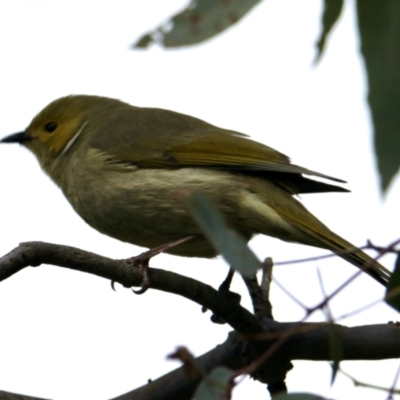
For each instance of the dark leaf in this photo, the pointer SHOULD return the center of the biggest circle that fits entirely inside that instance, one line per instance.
(379, 25)
(331, 13)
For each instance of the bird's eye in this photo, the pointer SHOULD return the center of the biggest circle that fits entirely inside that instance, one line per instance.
(50, 127)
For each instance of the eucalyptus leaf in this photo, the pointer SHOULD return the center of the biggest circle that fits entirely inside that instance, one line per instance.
(379, 26)
(217, 385)
(330, 15)
(199, 21)
(228, 242)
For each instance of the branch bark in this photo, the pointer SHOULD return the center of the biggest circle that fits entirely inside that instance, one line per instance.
(370, 342)
(309, 341)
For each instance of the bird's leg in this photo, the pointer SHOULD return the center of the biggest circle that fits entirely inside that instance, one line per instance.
(224, 289)
(226, 284)
(142, 261)
(143, 265)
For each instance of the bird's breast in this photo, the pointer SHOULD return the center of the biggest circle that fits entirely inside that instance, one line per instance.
(142, 206)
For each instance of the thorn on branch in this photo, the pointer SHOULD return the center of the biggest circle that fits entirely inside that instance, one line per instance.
(142, 261)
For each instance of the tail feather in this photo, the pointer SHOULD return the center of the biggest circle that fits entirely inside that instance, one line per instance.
(363, 261)
(312, 231)
(344, 249)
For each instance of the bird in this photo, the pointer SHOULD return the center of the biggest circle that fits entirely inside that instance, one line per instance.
(120, 167)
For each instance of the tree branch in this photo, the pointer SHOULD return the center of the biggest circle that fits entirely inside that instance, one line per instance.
(371, 342)
(308, 341)
(37, 253)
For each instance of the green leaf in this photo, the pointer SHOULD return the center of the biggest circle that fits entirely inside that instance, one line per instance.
(144, 41)
(393, 289)
(199, 21)
(217, 385)
(228, 242)
(379, 25)
(330, 15)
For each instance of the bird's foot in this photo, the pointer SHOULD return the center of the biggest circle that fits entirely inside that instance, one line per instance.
(142, 261)
(224, 289)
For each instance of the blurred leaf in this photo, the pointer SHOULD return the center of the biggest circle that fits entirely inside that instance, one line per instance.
(298, 396)
(379, 25)
(144, 42)
(216, 386)
(393, 289)
(199, 21)
(331, 13)
(228, 242)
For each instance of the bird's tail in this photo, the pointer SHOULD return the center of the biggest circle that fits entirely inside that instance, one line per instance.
(361, 260)
(305, 228)
(352, 254)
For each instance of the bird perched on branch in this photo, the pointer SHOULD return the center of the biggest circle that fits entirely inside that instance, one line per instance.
(119, 166)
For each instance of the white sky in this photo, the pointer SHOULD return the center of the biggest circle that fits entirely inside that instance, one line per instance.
(66, 335)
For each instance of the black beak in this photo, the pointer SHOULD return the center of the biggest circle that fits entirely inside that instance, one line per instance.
(16, 138)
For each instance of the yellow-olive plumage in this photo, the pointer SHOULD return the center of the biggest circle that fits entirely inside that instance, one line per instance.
(121, 166)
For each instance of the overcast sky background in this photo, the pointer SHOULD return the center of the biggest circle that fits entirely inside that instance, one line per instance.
(66, 335)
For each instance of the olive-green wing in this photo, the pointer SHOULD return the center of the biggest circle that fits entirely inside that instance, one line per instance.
(225, 150)
(156, 138)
